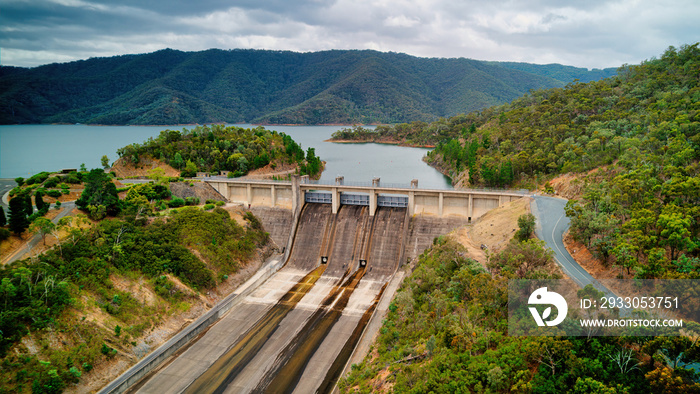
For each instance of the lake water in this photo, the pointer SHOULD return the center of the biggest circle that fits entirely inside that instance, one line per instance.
(28, 149)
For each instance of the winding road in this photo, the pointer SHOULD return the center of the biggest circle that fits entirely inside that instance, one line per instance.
(552, 223)
(5, 186)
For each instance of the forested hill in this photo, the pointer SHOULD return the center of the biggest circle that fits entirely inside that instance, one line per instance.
(632, 142)
(274, 87)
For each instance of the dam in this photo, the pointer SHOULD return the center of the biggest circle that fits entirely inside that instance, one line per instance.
(296, 331)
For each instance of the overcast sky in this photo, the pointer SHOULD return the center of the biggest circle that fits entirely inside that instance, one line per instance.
(585, 33)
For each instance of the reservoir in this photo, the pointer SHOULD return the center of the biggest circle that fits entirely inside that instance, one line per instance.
(28, 149)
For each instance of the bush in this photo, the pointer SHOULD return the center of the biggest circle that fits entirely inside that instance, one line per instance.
(52, 182)
(97, 212)
(191, 200)
(220, 203)
(208, 207)
(176, 202)
(73, 178)
(526, 223)
(53, 193)
(37, 178)
(4, 234)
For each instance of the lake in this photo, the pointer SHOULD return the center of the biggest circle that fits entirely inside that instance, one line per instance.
(28, 149)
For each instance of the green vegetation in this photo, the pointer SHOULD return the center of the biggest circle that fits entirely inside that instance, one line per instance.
(100, 195)
(51, 295)
(641, 130)
(648, 110)
(446, 332)
(20, 210)
(82, 291)
(272, 87)
(217, 148)
(526, 225)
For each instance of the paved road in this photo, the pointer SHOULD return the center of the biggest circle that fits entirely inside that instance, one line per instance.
(5, 186)
(552, 223)
(66, 208)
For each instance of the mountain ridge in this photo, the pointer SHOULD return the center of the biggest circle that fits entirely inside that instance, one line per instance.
(271, 87)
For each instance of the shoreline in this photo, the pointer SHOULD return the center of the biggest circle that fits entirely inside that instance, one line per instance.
(194, 124)
(380, 142)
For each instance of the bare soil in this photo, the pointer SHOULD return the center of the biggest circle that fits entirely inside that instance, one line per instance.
(494, 230)
(572, 185)
(125, 169)
(498, 226)
(201, 190)
(590, 263)
(267, 172)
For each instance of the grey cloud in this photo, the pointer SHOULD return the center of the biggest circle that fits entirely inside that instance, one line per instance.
(594, 33)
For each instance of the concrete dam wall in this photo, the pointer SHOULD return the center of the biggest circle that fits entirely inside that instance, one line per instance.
(297, 330)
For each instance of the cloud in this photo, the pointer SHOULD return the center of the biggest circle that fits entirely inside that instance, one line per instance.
(594, 33)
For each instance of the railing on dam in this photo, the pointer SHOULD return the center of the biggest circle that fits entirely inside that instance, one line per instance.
(470, 203)
(368, 185)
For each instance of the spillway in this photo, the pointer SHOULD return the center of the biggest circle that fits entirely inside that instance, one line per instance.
(296, 331)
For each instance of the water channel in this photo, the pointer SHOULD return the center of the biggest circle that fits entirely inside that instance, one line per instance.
(28, 149)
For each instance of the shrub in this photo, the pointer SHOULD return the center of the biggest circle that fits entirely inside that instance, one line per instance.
(208, 207)
(4, 234)
(526, 224)
(97, 212)
(52, 182)
(176, 202)
(191, 200)
(37, 178)
(53, 193)
(73, 178)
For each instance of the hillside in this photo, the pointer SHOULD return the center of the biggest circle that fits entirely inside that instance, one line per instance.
(630, 144)
(277, 87)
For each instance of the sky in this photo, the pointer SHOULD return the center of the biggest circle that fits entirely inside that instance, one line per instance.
(582, 33)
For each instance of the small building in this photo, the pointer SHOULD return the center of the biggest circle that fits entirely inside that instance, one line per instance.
(203, 174)
(225, 173)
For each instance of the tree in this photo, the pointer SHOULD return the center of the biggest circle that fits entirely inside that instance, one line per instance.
(526, 224)
(43, 226)
(41, 205)
(190, 169)
(177, 161)
(105, 161)
(99, 191)
(675, 231)
(3, 219)
(18, 214)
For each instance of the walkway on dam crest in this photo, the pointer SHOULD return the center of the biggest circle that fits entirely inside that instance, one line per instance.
(470, 204)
